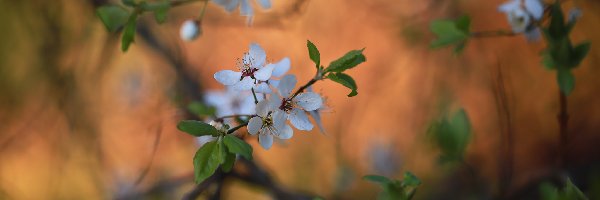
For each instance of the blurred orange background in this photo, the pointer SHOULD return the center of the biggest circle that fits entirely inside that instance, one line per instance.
(82, 120)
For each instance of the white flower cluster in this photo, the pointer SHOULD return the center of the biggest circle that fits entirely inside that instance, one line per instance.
(277, 102)
(522, 16)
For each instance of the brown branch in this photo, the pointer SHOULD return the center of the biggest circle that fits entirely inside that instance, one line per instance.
(563, 119)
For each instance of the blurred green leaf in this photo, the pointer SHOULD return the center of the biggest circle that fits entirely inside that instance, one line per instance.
(113, 17)
(451, 135)
(557, 28)
(569, 192)
(161, 9)
(207, 160)
(197, 128)
(201, 109)
(579, 53)
(229, 162)
(450, 32)
(377, 179)
(235, 145)
(566, 81)
(314, 54)
(131, 3)
(411, 180)
(547, 60)
(348, 61)
(345, 80)
(129, 32)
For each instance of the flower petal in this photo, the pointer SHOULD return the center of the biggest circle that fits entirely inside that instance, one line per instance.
(300, 120)
(246, 84)
(228, 77)
(229, 5)
(509, 6)
(309, 101)
(274, 83)
(281, 67)
(257, 54)
(264, 73)
(265, 140)
(533, 35)
(254, 125)
(263, 108)
(205, 139)
(535, 8)
(279, 118)
(286, 85)
(245, 9)
(262, 88)
(316, 115)
(266, 4)
(286, 132)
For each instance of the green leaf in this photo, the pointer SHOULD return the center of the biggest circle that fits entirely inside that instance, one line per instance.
(451, 32)
(131, 3)
(566, 81)
(229, 161)
(451, 135)
(579, 53)
(201, 109)
(161, 11)
(377, 179)
(345, 80)
(547, 60)
(411, 180)
(557, 28)
(348, 61)
(207, 160)
(113, 17)
(129, 32)
(197, 128)
(235, 145)
(313, 52)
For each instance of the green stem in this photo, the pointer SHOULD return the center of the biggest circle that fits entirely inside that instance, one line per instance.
(203, 11)
(234, 116)
(230, 131)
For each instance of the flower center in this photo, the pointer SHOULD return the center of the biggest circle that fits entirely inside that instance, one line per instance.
(286, 105)
(268, 121)
(248, 72)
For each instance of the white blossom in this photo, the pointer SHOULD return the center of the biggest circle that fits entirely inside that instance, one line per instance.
(316, 114)
(231, 102)
(295, 107)
(252, 73)
(245, 8)
(209, 138)
(190, 30)
(268, 124)
(522, 14)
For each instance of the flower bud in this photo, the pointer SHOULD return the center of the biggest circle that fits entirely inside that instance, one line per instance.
(190, 30)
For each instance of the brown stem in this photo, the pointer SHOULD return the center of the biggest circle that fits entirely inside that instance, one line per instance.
(563, 119)
(497, 33)
(301, 89)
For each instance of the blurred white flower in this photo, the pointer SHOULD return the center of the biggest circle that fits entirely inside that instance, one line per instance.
(316, 114)
(231, 102)
(384, 159)
(269, 123)
(190, 30)
(252, 72)
(245, 8)
(209, 138)
(522, 14)
(574, 14)
(279, 69)
(294, 107)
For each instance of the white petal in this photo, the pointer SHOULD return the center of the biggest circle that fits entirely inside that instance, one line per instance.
(246, 84)
(245, 9)
(254, 125)
(247, 106)
(286, 132)
(264, 73)
(535, 8)
(266, 4)
(205, 139)
(533, 35)
(263, 108)
(309, 101)
(265, 140)
(300, 120)
(316, 115)
(574, 14)
(279, 118)
(257, 54)
(281, 67)
(274, 83)
(229, 5)
(286, 85)
(509, 6)
(228, 77)
(262, 88)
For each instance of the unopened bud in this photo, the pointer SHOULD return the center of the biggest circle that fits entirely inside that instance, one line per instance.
(190, 30)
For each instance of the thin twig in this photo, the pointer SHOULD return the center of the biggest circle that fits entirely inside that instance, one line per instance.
(563, 120)
(230, 131)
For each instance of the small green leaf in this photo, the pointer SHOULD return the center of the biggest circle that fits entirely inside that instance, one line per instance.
(197, 128)
(411, 180)
(451, 32)
(566, 81)
(201, 109)
(314, 54)
(345, 80)
(377, 179)
(547, 60)
(229, 161)
(206, 161)
(579, 53)
(235, 145)
(160, 13)
(451, 135)
(348, 61)
(131, 3)
(557, 28)
(113, 17)
(129, 32)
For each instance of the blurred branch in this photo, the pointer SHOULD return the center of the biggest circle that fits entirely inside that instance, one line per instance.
(506, 128)
(563, 121)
